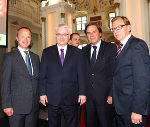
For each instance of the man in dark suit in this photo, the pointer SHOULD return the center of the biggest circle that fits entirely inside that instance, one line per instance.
(100, 58)
(20, 80)
(62, 80)
(131, 81)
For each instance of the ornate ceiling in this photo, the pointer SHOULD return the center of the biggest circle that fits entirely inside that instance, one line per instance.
(92, 6)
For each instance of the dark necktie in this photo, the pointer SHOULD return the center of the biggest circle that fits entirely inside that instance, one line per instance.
(93, 59)
(28, 63)
(119, 49)
(62, 56)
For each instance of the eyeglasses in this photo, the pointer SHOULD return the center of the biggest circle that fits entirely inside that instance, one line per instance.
(118, 27)
(62, 35)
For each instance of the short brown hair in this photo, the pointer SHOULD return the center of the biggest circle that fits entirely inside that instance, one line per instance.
(71, 35)
(93, 24)
(125, 19)
(23, 28)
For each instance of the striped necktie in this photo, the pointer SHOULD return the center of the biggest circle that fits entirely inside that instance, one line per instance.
(119, 49)
(28, 63)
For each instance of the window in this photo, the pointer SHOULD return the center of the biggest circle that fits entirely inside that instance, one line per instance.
(111, 16)
(44, 3)
(80, 22)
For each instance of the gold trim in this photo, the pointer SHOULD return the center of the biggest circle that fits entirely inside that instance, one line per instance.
(117, 5)
(62, 15)
(43, 19)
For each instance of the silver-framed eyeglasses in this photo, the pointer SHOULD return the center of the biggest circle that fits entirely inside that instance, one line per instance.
(118, 27)
(62, 35)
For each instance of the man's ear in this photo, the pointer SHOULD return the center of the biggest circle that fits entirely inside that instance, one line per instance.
(129, 28)
(17, 38)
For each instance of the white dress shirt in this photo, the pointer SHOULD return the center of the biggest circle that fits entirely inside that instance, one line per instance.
(97, 49)
(24, 56)
(59, 50)
(125, 41)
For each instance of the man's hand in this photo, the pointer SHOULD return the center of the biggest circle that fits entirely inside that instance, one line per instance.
(81, 99)
(136, 118)
(8, 111)
(109, 100)
(43, 100)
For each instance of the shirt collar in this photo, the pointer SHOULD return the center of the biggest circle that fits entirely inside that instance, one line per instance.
(65, 48)
(125, 40)
(21, 49)
(97, 45)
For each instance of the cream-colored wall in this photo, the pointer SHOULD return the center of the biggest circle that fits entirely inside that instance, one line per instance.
(138, 13)
(51, 28)
(54, 15)
(69, 21)
(134, 15)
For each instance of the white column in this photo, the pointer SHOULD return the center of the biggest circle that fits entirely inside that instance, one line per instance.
(8, 36)
(117, 5)
(43, 33)
(145, 21)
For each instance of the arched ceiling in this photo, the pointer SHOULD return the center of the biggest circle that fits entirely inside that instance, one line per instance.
(92, 6)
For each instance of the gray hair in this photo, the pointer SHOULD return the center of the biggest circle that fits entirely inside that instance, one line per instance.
(64, 26)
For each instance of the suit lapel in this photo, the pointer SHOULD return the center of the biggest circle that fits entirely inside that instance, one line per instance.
(99, 56)
(124, 50)
(33, 61)
(21, 61)
(68, 55)
(56, 56)
(101, 52)
(88, 53)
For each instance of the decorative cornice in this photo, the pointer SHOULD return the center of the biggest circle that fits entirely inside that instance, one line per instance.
(62, 15)
(74, 21)
(117, 5)
(43, 19)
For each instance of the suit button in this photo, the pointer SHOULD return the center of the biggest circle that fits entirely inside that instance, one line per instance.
(92, 74)
(92, 85)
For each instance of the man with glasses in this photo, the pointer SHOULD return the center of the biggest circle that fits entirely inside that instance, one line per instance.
(131, 81)
(62, 80)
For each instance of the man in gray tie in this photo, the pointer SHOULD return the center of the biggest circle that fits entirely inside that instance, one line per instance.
(20, 80)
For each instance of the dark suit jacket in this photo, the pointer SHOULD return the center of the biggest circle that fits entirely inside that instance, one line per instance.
(19, 89)
(131, 82)
(100, 77)
(62, 85)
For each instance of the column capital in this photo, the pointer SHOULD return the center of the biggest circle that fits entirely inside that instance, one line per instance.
(74, 21)
(117, 5)
(43, 19)
(62, 15)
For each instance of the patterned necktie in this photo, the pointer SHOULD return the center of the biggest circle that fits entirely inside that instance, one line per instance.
(62, 56)
(119, 49)
(93, 59)
(28, 63)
